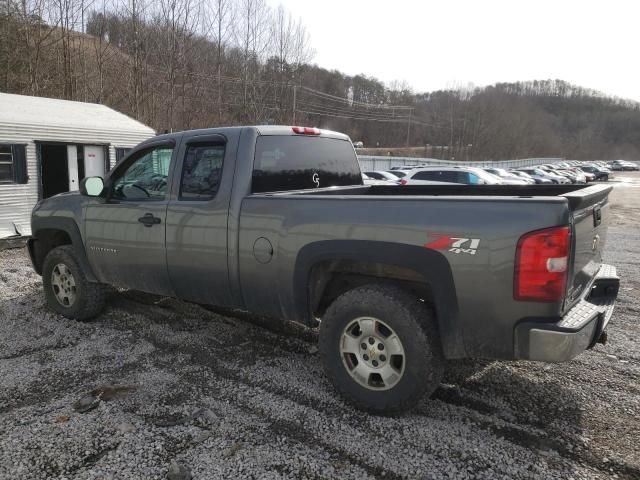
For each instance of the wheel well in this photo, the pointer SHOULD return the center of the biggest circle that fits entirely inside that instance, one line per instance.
(46, 240)
(330, 279)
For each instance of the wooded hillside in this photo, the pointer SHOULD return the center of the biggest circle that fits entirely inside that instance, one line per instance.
(179, 64)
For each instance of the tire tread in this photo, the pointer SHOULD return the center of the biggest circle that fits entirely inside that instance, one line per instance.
(381, 294)
(93, 295)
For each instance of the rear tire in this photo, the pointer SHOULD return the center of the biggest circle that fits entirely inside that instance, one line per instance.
(406, 347)
(66, 288)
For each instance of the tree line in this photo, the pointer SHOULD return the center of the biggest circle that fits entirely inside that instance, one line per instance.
(180, 64)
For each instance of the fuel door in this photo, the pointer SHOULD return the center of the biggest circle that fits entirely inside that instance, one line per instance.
(263, 250)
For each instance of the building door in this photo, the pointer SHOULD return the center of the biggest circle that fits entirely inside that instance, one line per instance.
(54, 169)
(72, 162)
(94, 165)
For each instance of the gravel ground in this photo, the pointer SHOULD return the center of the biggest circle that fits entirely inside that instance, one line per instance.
(173, 390)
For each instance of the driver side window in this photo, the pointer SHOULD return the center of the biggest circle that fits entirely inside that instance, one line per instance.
(146, 178)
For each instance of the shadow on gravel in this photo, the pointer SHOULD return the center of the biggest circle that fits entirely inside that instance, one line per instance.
(535, 413)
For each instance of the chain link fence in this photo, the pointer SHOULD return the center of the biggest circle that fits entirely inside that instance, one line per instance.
(370, 163)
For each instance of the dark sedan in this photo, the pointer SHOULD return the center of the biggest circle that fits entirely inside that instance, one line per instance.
(600, 174)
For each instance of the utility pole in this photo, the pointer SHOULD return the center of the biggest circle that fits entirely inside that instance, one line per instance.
(295, 97)
(409, 126)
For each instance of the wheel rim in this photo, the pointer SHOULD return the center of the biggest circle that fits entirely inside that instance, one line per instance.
(372, 353)
(63, 285)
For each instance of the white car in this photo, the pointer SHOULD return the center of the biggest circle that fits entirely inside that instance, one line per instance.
(372, 181)
(401, 173)
(459, 175)
(509, 178)
(382, 175)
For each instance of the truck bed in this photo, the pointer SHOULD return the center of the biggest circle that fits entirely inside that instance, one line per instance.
(365, 221)
(448, 190)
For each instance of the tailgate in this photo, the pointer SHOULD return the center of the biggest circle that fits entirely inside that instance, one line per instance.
(590, 210)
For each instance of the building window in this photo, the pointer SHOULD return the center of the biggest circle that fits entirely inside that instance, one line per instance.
(121, 152)
(6, 163)
(13, 167)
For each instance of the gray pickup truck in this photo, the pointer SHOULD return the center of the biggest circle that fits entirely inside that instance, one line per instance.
(400, 279)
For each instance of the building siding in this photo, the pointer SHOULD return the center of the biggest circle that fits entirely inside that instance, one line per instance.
(17, 201)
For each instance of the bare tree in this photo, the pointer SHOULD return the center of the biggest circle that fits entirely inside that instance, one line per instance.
(218, 24)
(178, 22)
(68, 18)
(254, 39)
(103, 51)
(34, 36)
(134, 13)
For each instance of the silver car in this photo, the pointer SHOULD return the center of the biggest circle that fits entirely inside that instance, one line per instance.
(509, 178)
(461, 175)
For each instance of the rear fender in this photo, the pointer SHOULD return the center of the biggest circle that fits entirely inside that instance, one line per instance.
(428, 264)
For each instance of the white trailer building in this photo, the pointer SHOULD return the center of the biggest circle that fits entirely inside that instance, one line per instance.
(47, 146)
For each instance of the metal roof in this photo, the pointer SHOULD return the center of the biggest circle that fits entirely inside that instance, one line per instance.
(50, 112)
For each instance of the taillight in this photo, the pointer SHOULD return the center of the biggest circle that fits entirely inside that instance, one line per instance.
(306, 130)
(541, 265)
(402, 181)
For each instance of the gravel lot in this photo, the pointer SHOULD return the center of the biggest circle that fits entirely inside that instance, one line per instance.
(177, 388)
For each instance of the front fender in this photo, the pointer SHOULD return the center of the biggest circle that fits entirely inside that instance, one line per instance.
(39, 245)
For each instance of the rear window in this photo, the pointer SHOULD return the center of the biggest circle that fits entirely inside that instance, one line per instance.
(301, 162)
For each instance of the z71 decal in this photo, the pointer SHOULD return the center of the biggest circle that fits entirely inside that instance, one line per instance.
(455, 244)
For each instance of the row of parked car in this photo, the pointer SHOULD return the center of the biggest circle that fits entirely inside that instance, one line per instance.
(557, 173)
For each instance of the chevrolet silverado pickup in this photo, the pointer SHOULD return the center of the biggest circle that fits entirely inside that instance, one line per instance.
(276, 221)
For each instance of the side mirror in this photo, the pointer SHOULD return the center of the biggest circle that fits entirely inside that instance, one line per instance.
(92, 186)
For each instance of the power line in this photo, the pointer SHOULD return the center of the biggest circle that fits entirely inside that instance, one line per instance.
(353, 102)
(354, 117)
(318, 107)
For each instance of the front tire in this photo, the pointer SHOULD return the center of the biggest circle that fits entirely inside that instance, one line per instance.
(381, 349)
(66, 288)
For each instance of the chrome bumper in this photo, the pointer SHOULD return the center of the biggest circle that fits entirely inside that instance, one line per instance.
(577, 331)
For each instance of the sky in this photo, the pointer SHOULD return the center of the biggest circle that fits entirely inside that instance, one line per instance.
(434, 45)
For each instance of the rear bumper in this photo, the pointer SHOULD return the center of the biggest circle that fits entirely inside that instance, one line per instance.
(578, 330)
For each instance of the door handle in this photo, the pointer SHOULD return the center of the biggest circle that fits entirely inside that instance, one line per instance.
(149, 220)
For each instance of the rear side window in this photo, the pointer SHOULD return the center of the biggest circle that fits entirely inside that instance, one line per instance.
(431, 175)
(201, 172)
(300, 162)
(452, 177)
